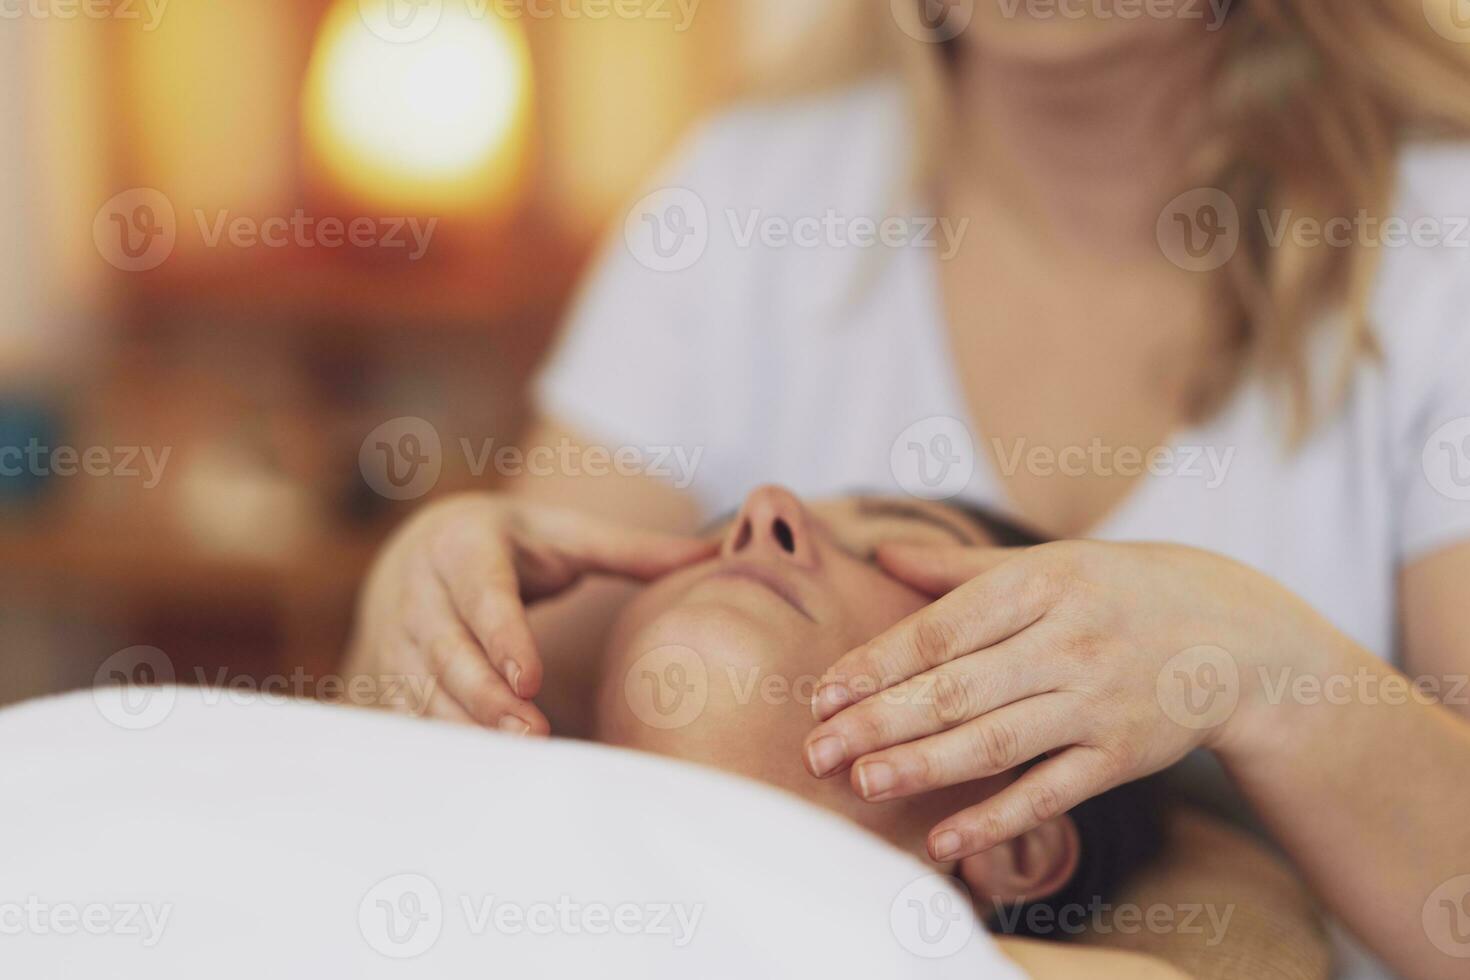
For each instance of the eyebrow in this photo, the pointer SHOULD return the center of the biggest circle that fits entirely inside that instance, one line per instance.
(879, 507)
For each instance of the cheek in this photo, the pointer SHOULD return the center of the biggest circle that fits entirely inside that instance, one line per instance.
(876, 603)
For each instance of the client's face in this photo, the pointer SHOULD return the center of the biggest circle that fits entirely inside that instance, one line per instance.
(717, 663)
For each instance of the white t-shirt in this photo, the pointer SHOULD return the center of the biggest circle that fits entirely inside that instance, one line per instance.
(800, 365)
(815, 363)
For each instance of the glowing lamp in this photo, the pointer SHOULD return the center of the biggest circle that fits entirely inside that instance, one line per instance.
(434, 121)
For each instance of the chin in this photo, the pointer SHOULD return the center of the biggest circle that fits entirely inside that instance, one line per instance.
(1055, 40)
(723, 630)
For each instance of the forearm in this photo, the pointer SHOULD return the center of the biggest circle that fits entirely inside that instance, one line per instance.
(1363, 782)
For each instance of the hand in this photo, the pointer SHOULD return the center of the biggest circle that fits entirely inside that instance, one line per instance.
(1082, 652)
(446, 599)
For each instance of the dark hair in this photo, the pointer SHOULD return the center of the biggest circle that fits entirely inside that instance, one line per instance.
(1120, 830)
(1003, 531)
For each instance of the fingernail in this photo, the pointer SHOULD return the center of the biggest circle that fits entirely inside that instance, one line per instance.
(825, 754)
(513, 725)
(875, 779)
(513, 675)
(944, 846)
(830, 700)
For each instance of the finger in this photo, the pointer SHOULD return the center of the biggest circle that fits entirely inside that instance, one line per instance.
(591, 544)
(976, 616)
(475, 573)
(466, 676)
(936, 570)
(989, 745)
(932, 702)
(1047, 791)
(442, 707)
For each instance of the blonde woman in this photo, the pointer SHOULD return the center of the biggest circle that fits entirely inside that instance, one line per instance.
(1185, 273)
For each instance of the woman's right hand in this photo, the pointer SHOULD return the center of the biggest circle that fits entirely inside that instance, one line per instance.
(446, 599)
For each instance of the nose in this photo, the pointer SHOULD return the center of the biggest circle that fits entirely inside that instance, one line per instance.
(772, 524)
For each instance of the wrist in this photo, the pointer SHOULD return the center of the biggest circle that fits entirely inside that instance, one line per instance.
(1286, 698)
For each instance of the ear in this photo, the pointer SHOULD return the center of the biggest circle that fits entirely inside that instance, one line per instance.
(1027, 869)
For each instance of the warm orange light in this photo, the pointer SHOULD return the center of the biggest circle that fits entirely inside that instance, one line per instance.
(430, 120)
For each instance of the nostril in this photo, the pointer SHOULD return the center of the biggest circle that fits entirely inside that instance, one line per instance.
(742, 535)
(784, 537)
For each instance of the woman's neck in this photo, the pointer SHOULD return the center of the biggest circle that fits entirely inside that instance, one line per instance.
(1090, 146)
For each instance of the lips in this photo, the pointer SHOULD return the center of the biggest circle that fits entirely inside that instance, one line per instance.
(766, 576)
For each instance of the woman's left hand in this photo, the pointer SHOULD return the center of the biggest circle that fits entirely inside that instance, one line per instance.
(1114, 660)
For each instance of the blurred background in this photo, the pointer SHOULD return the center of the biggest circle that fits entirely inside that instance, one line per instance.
(239, 236)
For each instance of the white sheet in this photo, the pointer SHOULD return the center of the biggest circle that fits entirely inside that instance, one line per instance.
(192, 836)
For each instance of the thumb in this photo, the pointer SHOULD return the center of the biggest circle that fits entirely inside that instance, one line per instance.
(938, 569)
(593, 545)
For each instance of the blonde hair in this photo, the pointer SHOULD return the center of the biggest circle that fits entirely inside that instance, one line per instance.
(1314, 100)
